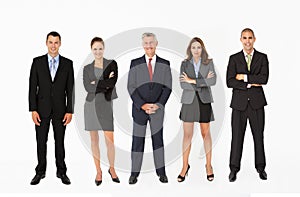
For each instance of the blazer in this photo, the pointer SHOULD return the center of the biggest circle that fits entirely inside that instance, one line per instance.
(259, 74)
(51, 97)
(105, 84)
(202, 85)
(142, 90)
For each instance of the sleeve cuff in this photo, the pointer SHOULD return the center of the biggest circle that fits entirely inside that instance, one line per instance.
(246, 78)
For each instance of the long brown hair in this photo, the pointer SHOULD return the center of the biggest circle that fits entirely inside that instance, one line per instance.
(204, 54)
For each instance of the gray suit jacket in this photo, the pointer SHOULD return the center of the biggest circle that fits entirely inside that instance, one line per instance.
(202, 83)
(89, 76)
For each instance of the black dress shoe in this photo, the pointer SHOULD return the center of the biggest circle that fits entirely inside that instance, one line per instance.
(163, 178)
(116, 180)
(262, 174)
(98, 182)
(182, 178)
(64, 179)
(37, 178)
(132, 180)
(232, 176)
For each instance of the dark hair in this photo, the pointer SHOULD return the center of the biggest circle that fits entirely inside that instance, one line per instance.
(54, 34)
(248, 30)
(204, 54)
(97, 39)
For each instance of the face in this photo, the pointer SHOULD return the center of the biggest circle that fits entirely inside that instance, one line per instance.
(247, 40)
(196, 49)
(149, 44)
(53, 44)
(98, 50)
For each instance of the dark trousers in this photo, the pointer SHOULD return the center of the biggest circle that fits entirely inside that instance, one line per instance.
(239, 123)
(42, 138)
(138, 142)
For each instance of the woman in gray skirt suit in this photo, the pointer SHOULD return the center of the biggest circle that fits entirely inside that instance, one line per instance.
(197, 74)
(99, 79)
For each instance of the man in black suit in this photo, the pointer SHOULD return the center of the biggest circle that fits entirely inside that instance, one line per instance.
(149, 86)
(51, 98)
(247, 71)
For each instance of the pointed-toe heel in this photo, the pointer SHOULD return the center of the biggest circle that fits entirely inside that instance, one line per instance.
(116, 180)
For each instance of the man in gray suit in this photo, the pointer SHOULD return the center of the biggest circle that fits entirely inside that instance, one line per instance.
(149, 86)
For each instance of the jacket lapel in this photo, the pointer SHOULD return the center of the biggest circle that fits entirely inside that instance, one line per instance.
(253, 61)
(92, 71)
(143, 63)
(190, 70)
(46, 68)
(59, 68)
(106, 63)
(243, 61)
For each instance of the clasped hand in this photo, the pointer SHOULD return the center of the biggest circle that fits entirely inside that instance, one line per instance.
(150, 108)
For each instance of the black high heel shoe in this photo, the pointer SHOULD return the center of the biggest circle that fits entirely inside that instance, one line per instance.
(182, 178)
(210, 177)
(98, 182)
(116, 180)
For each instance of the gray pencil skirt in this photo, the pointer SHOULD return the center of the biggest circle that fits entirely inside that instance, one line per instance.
(98, 114)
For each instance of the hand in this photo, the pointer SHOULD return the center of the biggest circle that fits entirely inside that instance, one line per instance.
(93, 82)
(146, 106)
(111, 74)
(67, 118)
(150, 108)
(155, 107)
(36, 118)
(185, 78)
(210, 74)
(239, 77)
(255, 85)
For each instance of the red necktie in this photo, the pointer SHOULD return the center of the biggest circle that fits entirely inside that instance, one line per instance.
(150, 69)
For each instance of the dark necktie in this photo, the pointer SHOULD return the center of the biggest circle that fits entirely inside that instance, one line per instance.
(150, 68)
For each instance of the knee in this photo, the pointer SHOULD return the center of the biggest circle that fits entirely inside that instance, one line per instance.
(188, 137)
(205, 133)
(95, 141)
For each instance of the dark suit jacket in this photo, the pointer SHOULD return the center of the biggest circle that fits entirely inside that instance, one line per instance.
(259, 74)
(105, 85)
(142, 90)
(48, 97)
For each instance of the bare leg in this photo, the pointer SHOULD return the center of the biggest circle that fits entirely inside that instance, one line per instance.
(188, 128)
(109, 139)
(205, 132)
(96, 153)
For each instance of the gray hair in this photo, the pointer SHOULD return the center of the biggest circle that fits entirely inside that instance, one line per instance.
(149, 34)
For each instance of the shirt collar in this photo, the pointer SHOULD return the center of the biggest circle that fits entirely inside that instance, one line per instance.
(153, 58)
(192, 61)
(50, 58)
(245, 54)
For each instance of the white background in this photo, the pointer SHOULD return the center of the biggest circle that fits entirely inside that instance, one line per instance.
(24, 26)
